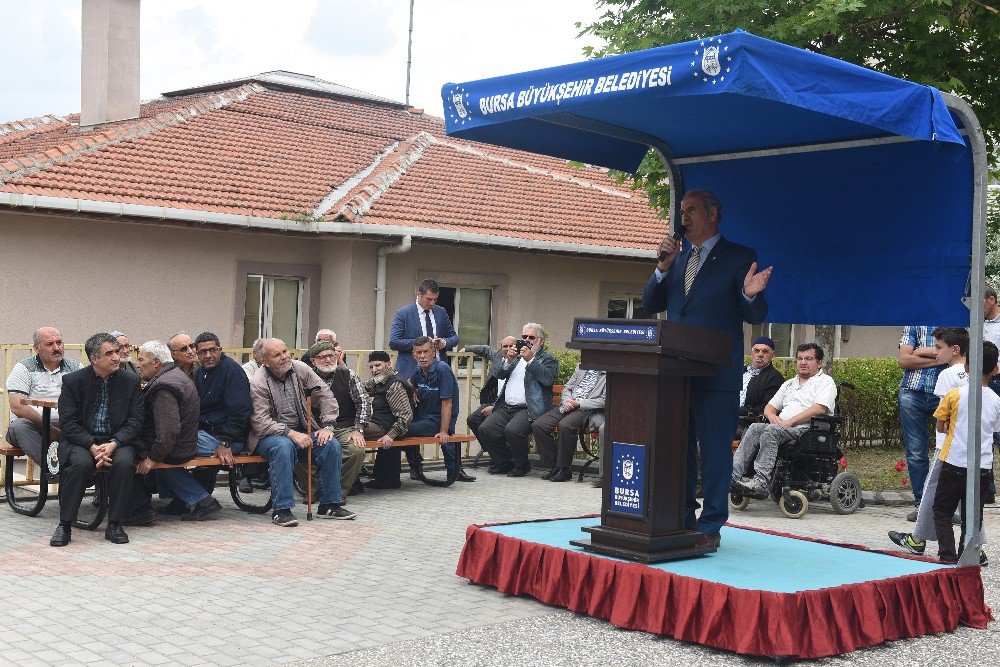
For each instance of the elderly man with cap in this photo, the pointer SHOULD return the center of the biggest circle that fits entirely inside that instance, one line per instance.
(761, 380)
(355, 413)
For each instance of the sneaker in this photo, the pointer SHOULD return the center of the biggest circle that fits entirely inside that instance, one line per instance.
(754, 488)
(906, 541)
(956, 519)
(284, 518)
(334, 511)
(174, 508)
(912, 516)
(204, 509)
(983, 560)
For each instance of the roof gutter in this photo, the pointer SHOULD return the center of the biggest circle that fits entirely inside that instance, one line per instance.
(164, 213)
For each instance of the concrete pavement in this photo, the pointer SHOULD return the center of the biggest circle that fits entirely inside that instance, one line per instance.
(380, 589)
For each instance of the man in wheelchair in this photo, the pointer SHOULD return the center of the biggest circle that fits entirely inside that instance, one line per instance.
(810, 393)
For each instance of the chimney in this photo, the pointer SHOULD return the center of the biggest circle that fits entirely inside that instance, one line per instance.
(110, 72)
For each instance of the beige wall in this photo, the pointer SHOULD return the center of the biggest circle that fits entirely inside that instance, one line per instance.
(87, 275)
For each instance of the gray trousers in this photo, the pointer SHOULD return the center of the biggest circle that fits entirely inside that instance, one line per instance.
(27, 437)
(504, 434)
(759, 449)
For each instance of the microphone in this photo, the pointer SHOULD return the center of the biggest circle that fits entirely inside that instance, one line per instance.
(679, 233)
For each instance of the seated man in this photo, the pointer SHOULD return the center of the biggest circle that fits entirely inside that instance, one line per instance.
(526, 396)
(170, 430)
(41, 377)
(582, 397)
(224, 418)
(257, 356)
(183, 350)
(809, 394)
(507, 352)
(761, 380)
(392, 411)
(278, 431)
(100, 414)
(125, 353)
(323, 335)
(437, 413)
(355, 412)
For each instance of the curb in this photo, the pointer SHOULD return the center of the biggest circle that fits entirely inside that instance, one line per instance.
(888, 498)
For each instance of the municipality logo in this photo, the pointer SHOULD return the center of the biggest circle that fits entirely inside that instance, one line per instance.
(714, 61)
(459, 112)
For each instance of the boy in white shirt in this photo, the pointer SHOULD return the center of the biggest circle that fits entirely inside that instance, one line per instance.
(953, 420)
(951, 345)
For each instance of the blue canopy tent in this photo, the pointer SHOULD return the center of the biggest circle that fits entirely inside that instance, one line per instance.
(867, 193)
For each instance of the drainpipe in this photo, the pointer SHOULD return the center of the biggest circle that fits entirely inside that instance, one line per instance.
(403, 246)
(838, 333)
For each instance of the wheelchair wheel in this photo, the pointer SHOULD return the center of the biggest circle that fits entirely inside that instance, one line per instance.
(254, 502)
(845, 493)
(738, 501)
(794, 504)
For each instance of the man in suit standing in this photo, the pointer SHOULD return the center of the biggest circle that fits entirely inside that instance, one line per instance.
(421, 318)
(100, 414)
(715, 285)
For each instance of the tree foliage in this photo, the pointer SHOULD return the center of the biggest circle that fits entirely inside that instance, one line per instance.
(942, 43)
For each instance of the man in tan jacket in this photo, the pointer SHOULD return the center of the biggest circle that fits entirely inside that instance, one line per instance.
(278, 431)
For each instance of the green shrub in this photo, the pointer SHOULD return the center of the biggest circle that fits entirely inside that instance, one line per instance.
(568, 359)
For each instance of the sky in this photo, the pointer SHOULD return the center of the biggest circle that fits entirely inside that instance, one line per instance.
(357, 43)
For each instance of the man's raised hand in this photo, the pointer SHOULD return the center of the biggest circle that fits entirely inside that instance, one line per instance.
(756, 281)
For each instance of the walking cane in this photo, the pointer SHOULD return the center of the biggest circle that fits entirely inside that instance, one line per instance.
(309, 466)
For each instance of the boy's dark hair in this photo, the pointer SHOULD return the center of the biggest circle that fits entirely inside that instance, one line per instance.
(805, 347)
(990, 293)
(207, 337)
(990, 357)
(953, 336)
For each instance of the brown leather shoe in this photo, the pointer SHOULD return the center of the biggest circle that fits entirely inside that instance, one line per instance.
(708, 540)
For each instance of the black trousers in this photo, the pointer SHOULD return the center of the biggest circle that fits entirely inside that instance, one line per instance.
(504, 434)
(951, 493)
(76, 473)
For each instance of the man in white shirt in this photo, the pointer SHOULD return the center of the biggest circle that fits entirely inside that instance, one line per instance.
(39, 376)
(809, 394)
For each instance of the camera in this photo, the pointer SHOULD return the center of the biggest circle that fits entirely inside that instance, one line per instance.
(520, 343)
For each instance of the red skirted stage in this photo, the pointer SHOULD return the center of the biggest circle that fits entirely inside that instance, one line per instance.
(762, 593)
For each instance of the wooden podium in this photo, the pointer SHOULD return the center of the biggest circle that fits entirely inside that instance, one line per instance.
(649, 365)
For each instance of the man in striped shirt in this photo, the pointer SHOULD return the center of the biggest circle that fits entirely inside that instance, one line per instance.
(917, 402)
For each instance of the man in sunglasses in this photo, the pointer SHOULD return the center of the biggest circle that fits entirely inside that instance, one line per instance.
(183, 351)
(526, 396)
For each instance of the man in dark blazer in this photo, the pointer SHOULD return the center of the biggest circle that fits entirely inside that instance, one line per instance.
(101, 415)
(715, 285)
(422, 318)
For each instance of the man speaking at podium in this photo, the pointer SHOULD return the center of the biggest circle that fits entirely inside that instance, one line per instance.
(714, 285)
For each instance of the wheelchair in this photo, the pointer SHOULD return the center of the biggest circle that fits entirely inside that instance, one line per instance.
(808, 469)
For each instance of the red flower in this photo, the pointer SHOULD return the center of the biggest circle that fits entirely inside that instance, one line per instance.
(900, 465)
(843, 462)
(905, 481)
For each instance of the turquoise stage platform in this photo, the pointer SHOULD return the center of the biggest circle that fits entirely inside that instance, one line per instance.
(761, 594)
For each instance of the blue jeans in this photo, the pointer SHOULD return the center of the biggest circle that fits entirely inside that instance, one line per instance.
(430, 426)
(208, 443)
(916, 410)
(281, 453)
(178, 483)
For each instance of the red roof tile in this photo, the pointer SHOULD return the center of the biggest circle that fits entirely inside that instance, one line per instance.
(280, 154)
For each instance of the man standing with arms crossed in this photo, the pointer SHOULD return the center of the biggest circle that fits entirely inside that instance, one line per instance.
(714, 285)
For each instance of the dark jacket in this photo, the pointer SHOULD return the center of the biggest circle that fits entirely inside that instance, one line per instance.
(406, 328)
(761, 389)
(539, 377)
(78, 401)
(170, 430)
(225, 400)
(715, 302)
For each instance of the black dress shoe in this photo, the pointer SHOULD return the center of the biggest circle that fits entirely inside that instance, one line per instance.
(465, 477)
(501, 468)
(357, 488)
(143, 516)
(62, 536)
(562, 475)
(520, 471)
(174, 508)
(116, 534)
(551, 473)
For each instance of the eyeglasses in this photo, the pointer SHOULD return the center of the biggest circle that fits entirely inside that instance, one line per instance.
(210, 350)
(186, 347)
(527, 337)
(326, 356)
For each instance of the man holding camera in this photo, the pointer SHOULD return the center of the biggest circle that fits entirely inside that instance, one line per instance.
(526, 396)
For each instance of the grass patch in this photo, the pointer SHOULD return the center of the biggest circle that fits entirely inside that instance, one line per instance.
(876, 466)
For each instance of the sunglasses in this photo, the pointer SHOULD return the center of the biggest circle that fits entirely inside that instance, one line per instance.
(527, 337)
